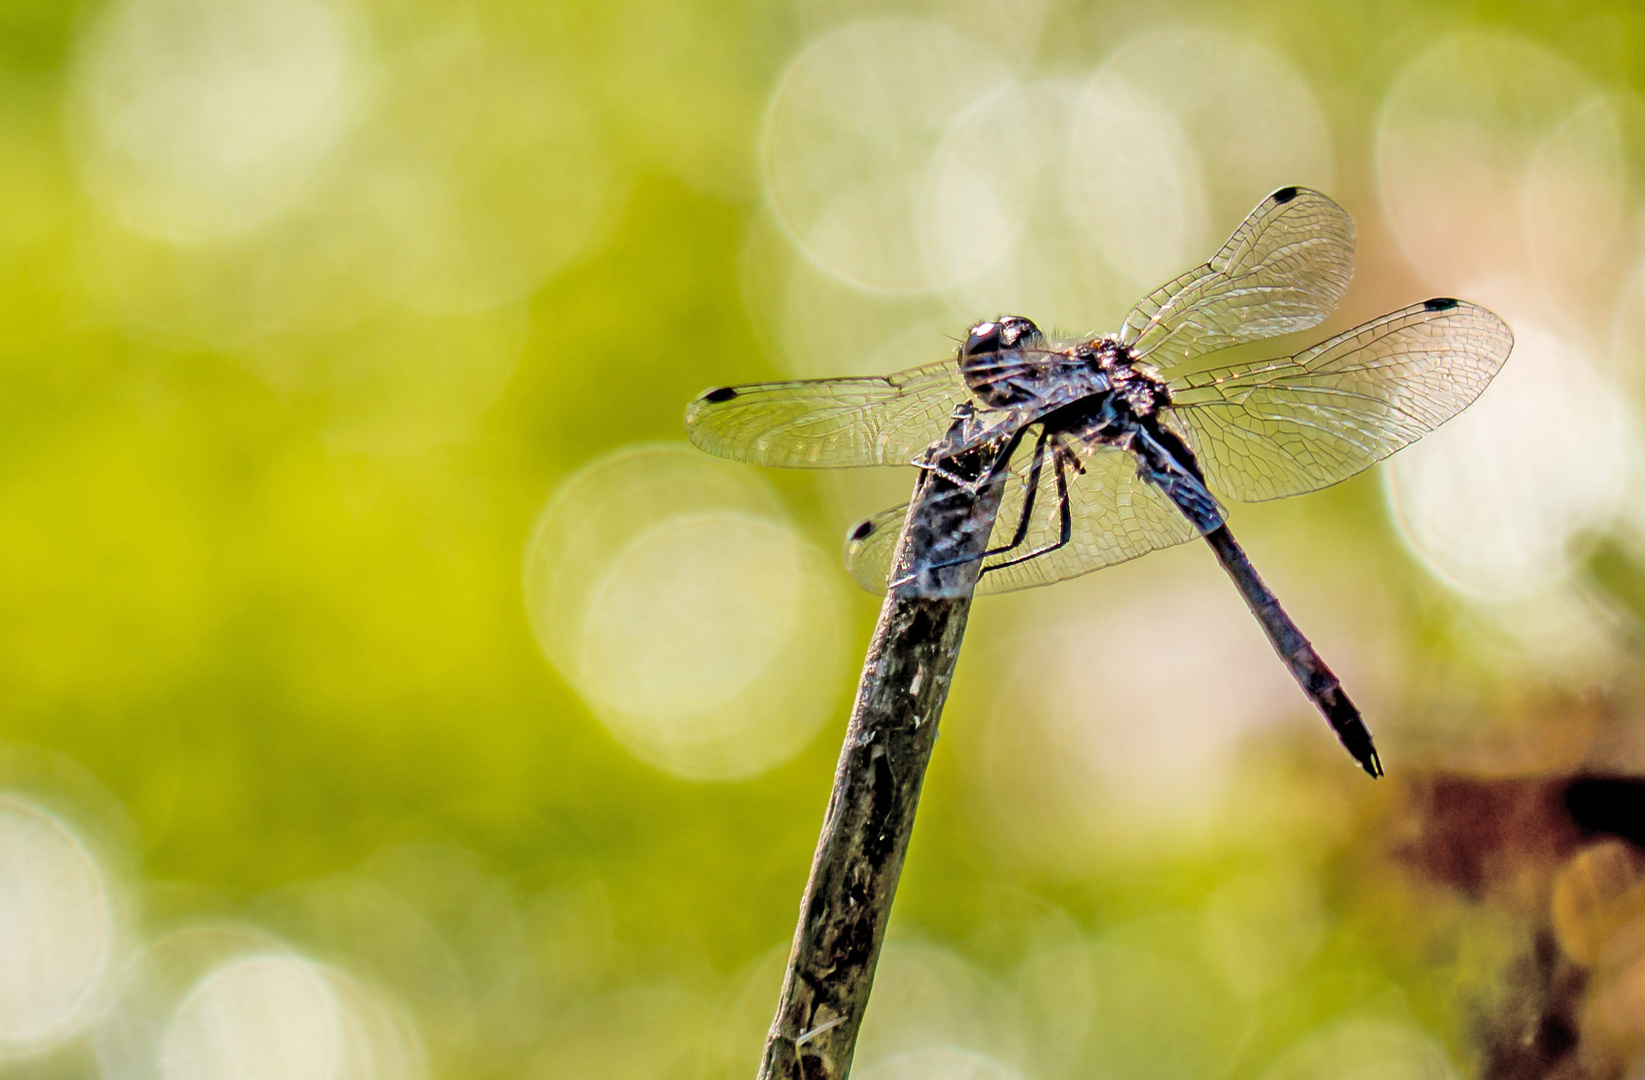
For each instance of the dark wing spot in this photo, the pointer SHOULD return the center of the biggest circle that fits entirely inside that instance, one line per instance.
(1284, 195)
(1440, 303)
(723, 394)
(863, 530)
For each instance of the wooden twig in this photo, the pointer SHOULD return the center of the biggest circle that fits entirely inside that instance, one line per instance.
(888, 744)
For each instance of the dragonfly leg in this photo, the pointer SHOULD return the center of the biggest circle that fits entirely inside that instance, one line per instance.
(955, 530)
(970, 486)
(1065, 515)
(1027, 513)
(941, 470)
(1034, 468)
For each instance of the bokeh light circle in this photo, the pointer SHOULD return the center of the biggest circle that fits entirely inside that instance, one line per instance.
(1255, 122)
(1626, 352)
(643, 654)
(1085, 754)
(57, 929)
(822, 326)
(1136, 184)
(982, 181)
(1006, 218)
(848, 137)
(1363, 1049)
(1261, 928)
(260, 1017)
(702, 630)
(227, 1002)
(1456, 136)
(380, 1041)
(1491, 509)
(929, 999)
(197, 119)
(1182, 129)
(1574, 211)
(1148, 986)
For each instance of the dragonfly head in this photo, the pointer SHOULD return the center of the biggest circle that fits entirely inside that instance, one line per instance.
(987, 362)
(1006, 332)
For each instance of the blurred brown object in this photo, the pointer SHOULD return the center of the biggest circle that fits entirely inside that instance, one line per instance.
(1485, 837)
(1560, 860)
(1599, 891)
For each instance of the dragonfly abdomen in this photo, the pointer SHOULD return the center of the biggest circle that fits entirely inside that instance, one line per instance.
(1317, 680)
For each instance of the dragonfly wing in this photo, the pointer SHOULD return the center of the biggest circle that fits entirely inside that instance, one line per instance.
(828, 423)
(871, 547)
(1283, 427)
(1114, 514)
(1284, 269)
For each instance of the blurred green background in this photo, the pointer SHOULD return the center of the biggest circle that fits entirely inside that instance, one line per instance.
(386, 690)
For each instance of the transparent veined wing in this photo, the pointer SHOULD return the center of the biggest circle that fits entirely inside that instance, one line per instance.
(877, 419)
(1114, 514)
(828, 423)
(1283, 427)
(1284, 269)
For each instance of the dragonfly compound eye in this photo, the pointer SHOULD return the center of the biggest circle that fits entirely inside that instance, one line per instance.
(983, 338)
(1004, 333)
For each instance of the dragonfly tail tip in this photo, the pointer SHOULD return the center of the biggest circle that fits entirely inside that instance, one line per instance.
(1350, 728)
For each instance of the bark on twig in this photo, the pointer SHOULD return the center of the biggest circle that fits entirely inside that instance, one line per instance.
(893, 728)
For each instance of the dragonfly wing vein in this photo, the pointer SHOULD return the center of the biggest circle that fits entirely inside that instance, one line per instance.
(1284, 269)
(1116, 516)
(828, 423)
(1284, 427)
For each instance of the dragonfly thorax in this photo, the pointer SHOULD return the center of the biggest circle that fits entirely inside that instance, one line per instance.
(1136, 386)
(1117, 396)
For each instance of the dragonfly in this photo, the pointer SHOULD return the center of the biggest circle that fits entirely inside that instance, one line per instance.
(1126, 443)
